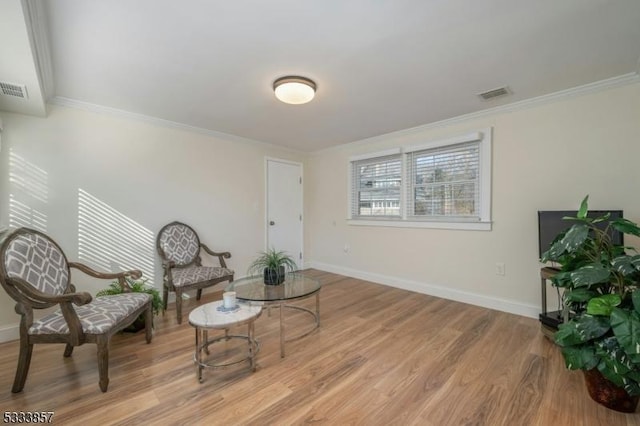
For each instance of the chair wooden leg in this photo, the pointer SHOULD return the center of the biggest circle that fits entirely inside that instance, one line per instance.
(199, 294)
(24, 360)
(179, 305)
(148, 323)
(68, 350)
(165, 297)
(103, 362)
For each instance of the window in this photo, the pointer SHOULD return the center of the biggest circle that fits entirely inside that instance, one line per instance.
(442, 184)
(377, 186)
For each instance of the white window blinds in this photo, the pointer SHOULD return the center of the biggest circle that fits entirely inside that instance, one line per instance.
(376, 187)
(444, 182)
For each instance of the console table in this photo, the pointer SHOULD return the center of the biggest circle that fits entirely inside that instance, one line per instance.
(549, 321)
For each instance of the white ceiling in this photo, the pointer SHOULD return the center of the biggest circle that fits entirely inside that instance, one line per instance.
(380, 66)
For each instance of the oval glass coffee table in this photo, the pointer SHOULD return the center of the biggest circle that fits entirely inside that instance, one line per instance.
(294, 287)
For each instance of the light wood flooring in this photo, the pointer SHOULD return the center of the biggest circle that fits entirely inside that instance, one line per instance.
(382, 356)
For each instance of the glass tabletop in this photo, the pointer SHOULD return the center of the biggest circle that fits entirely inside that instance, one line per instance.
(295, 286)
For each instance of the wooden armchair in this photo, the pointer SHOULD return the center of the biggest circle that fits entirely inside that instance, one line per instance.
(35, 272)
(179, 248)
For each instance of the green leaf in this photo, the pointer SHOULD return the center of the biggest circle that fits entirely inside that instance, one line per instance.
(562, 279)
(624, 265)
(613, 356)
(587, 275)
(626, 327)
(631, 386)
(584, 208)
(580, 358)
(568, 241)
(626, 226)
(603, 305)
(575, 237)
(567, 335)
(579, 295)
(610, 374)
(581, 329)
(635, 298)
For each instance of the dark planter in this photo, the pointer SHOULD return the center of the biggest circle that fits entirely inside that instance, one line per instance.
(604, 392)
(273, 276)
(135, 326)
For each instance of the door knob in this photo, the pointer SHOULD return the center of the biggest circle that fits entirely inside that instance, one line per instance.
(272, 223)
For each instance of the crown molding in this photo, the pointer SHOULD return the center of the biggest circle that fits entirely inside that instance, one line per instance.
(598, 86)
(99, 109)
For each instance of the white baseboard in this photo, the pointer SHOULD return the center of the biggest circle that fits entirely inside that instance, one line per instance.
(9, 333)
(496, 303)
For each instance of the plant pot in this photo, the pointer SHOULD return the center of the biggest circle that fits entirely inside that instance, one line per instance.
(274, 276)
(136, 326)
(604, 392)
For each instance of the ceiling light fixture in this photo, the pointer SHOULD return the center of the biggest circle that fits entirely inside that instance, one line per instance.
(294, 90)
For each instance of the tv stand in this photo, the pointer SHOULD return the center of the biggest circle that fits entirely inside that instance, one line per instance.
(549, 321)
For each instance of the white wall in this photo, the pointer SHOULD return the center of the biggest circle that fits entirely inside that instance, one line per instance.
(142, 175)
(544, 158)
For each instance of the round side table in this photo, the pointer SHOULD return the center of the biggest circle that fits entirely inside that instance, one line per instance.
(210, 317)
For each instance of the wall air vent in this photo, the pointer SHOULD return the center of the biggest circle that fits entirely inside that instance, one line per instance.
(11, 89)
(494, 93)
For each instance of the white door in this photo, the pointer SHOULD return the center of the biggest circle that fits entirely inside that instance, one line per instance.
(284, 208)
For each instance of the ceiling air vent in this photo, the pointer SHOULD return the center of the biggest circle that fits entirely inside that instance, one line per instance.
(495, 93)
(10, 89)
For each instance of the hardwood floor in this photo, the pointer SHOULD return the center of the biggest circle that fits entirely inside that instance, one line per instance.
(381, 356)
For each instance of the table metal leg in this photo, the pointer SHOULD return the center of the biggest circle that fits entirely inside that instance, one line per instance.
(198, 355)
(281, 330)
(250, 341)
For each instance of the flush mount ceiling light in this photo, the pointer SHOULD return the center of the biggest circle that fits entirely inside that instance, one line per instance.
(294, 90)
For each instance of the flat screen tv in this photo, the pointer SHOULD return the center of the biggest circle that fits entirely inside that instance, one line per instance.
(550, 224)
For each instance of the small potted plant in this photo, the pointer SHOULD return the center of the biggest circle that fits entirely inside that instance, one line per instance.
(273, 265)
(137, 286)
(601, 284)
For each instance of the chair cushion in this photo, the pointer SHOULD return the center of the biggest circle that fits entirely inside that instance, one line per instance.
(179, 243)
(97, 317)
(196, 274)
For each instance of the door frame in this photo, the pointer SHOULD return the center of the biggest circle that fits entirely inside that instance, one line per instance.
(267, 159)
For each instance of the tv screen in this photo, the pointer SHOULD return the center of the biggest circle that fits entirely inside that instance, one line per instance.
(550, 224)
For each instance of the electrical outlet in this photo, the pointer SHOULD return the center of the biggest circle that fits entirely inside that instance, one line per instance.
(500, 268)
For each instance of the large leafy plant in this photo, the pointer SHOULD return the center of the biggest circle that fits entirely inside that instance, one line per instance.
(601, 282)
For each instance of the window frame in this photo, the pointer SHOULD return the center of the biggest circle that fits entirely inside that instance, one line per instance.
(481, 222)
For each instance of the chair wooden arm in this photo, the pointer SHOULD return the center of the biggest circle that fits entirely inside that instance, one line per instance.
(36, 298)
(168, 264)
(135, 274)
(78, 298)
(221, 256)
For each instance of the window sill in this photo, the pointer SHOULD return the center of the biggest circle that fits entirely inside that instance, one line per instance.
(468, 226)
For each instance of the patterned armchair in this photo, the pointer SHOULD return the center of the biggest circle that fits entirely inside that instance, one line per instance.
(36, 274)
(179, 247)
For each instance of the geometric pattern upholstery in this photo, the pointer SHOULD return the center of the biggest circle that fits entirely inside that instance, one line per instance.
(179, 243)
(39, 262)
(195, 274)
(96, 317)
